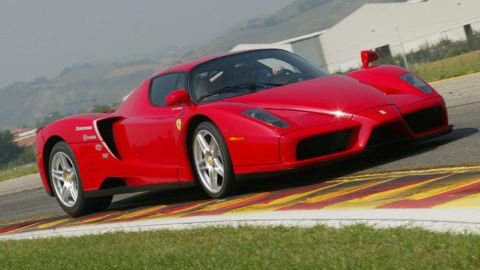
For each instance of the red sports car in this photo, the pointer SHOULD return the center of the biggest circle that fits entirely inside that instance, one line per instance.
(216, 120)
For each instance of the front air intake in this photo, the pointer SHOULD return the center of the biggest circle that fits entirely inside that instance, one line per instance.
(387, 133)
(322, 145)
(425, 120)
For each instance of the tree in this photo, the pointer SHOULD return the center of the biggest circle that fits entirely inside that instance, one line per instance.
(102, 108)
(8, 149)
(52, 117)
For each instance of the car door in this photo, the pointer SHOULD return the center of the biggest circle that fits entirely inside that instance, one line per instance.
(152, 134)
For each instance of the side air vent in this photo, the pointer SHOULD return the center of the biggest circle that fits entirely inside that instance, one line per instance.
(323, 145)
(425, 119)
(105, 128)
(112, 182)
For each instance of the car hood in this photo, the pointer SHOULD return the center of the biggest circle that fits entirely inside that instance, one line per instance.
(329, 95)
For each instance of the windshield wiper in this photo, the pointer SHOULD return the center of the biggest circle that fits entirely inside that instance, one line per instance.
(251, 87)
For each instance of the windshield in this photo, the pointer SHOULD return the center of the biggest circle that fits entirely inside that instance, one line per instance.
(248, 72)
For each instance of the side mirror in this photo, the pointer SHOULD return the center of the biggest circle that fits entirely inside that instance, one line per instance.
(368, 57)
(176, 98)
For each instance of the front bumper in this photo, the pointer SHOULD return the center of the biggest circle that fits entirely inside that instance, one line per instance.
(373, 127)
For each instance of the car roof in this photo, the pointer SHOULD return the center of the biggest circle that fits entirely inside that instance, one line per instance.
(188, 66)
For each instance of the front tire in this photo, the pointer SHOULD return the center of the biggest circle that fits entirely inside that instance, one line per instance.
(211, 161)
(67, 184)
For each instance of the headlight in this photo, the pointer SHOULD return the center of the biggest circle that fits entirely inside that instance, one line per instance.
(418, 83)
(266, 117)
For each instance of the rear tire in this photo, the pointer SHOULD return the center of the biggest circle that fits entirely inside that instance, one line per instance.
(211, 161)
(67, 184)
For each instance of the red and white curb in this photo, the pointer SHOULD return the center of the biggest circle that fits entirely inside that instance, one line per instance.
(437, 220)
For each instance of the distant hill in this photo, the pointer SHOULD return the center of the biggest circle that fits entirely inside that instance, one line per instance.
(80, 87)
(76, 89)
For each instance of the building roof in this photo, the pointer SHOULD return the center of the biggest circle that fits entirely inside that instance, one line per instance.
(244, 47)
(300, 38)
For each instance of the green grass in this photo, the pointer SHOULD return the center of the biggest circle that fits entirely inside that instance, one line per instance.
(357, 247)
(450, 67)
(15, 172)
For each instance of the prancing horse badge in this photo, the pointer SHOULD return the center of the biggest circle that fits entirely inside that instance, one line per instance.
(179, 124)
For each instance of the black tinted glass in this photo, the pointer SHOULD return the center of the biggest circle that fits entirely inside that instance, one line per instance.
(161, 87)
(248, 72)
(181, 81)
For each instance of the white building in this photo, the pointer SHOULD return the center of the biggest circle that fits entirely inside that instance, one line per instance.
(389, 28)
(308, 46)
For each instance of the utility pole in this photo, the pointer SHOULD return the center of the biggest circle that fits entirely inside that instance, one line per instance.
(404, 56)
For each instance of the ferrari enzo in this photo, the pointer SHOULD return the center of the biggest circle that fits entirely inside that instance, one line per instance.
(217, 120)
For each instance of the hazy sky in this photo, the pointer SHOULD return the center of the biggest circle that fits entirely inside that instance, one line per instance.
(42, 37)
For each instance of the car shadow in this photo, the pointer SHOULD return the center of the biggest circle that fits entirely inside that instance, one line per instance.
(365, 161)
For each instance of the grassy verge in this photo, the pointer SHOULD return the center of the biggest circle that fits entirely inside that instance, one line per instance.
(450, 67)
(14, 172)
(357, 247)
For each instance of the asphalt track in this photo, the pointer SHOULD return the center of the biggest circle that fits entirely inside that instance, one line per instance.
(448, 189)
(451, 185)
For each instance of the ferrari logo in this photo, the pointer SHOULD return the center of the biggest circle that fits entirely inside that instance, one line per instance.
(179, 124)
(382, 112)
(210, 161)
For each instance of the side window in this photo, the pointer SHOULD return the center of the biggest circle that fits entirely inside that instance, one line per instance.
(181, 81)
(162, 86)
